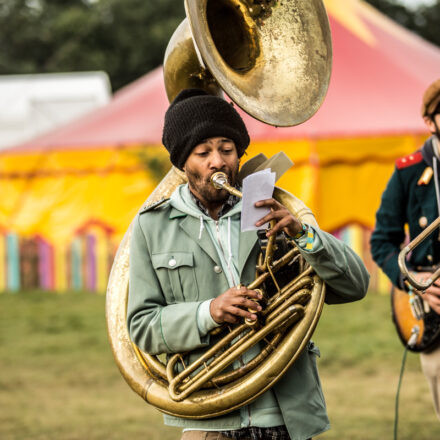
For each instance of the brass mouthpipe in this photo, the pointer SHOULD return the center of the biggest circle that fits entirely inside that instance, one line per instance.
(418, 285)
(220, 181)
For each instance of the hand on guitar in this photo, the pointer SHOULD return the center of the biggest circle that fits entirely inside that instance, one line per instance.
(432, 294)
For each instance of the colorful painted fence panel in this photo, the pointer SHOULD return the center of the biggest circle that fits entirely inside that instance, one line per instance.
(85, 264)
(34, 263)
(46, 265)
(2, 263)
(12, 263)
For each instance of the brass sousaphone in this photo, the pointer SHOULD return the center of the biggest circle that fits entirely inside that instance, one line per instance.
(273, 59)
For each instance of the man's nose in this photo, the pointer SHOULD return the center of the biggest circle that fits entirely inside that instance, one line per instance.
(217, 160)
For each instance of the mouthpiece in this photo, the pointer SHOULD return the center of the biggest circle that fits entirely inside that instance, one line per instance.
(220, 181)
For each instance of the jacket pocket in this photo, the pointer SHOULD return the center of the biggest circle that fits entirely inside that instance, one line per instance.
(176, 273)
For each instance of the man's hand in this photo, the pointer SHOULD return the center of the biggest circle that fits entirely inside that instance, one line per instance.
(284, 219)
(233, 304)
(432, 294)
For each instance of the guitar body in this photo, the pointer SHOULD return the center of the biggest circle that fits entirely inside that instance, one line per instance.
(411, 313)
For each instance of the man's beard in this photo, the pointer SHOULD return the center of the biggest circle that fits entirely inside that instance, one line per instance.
(205, 189)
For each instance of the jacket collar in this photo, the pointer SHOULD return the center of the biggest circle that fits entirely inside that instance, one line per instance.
(428, 151)
(175, 213)
(191, 225)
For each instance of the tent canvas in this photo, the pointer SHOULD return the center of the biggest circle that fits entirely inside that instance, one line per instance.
(33, 104)
(88, 176)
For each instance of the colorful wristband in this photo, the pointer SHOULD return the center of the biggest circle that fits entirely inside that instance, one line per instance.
(310, 239)
(304, 229)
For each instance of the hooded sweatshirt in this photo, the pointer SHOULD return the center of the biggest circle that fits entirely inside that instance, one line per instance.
(224, 233)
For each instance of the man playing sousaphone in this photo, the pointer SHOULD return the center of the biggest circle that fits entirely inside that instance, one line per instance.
(187, 260)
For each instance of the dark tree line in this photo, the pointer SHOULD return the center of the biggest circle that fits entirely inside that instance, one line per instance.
(425, 20)
(126, 38)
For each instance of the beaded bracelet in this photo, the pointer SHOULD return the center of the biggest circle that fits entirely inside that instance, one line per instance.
(304, 229)
(310, 236)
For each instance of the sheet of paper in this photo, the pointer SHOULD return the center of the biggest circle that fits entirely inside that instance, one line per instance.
(257, 186)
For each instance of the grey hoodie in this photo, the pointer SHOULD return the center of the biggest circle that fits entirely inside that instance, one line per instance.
(225, 235)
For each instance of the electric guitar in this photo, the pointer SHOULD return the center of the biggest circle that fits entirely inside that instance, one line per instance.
(417, 325)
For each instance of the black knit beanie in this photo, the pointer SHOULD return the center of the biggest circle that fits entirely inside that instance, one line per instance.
(194, 116)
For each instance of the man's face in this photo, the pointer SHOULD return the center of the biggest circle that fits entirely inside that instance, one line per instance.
(211, 155)
(430, 122)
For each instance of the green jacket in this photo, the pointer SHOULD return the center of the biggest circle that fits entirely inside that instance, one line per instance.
(174, 268)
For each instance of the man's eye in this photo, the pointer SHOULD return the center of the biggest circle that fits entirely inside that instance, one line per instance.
(202, 154)
(227, 151)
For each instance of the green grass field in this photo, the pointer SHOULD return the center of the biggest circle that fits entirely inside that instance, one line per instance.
(59, 381)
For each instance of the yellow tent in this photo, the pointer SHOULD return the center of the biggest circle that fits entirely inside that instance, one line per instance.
(68, 197)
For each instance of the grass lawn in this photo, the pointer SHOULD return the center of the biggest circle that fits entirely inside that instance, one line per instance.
(59, 381)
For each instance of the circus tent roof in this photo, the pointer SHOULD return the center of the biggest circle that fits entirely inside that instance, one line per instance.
(86, 180)
(380, 71)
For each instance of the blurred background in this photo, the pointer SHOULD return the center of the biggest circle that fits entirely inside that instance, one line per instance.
(81, 110)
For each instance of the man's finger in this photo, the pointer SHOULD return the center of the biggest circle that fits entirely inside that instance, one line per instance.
(433, 290)
(245, 303)
(271, 203)
(273, 215)
(237, 311)
(283, 223)
(244, 292)
(254, 294)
